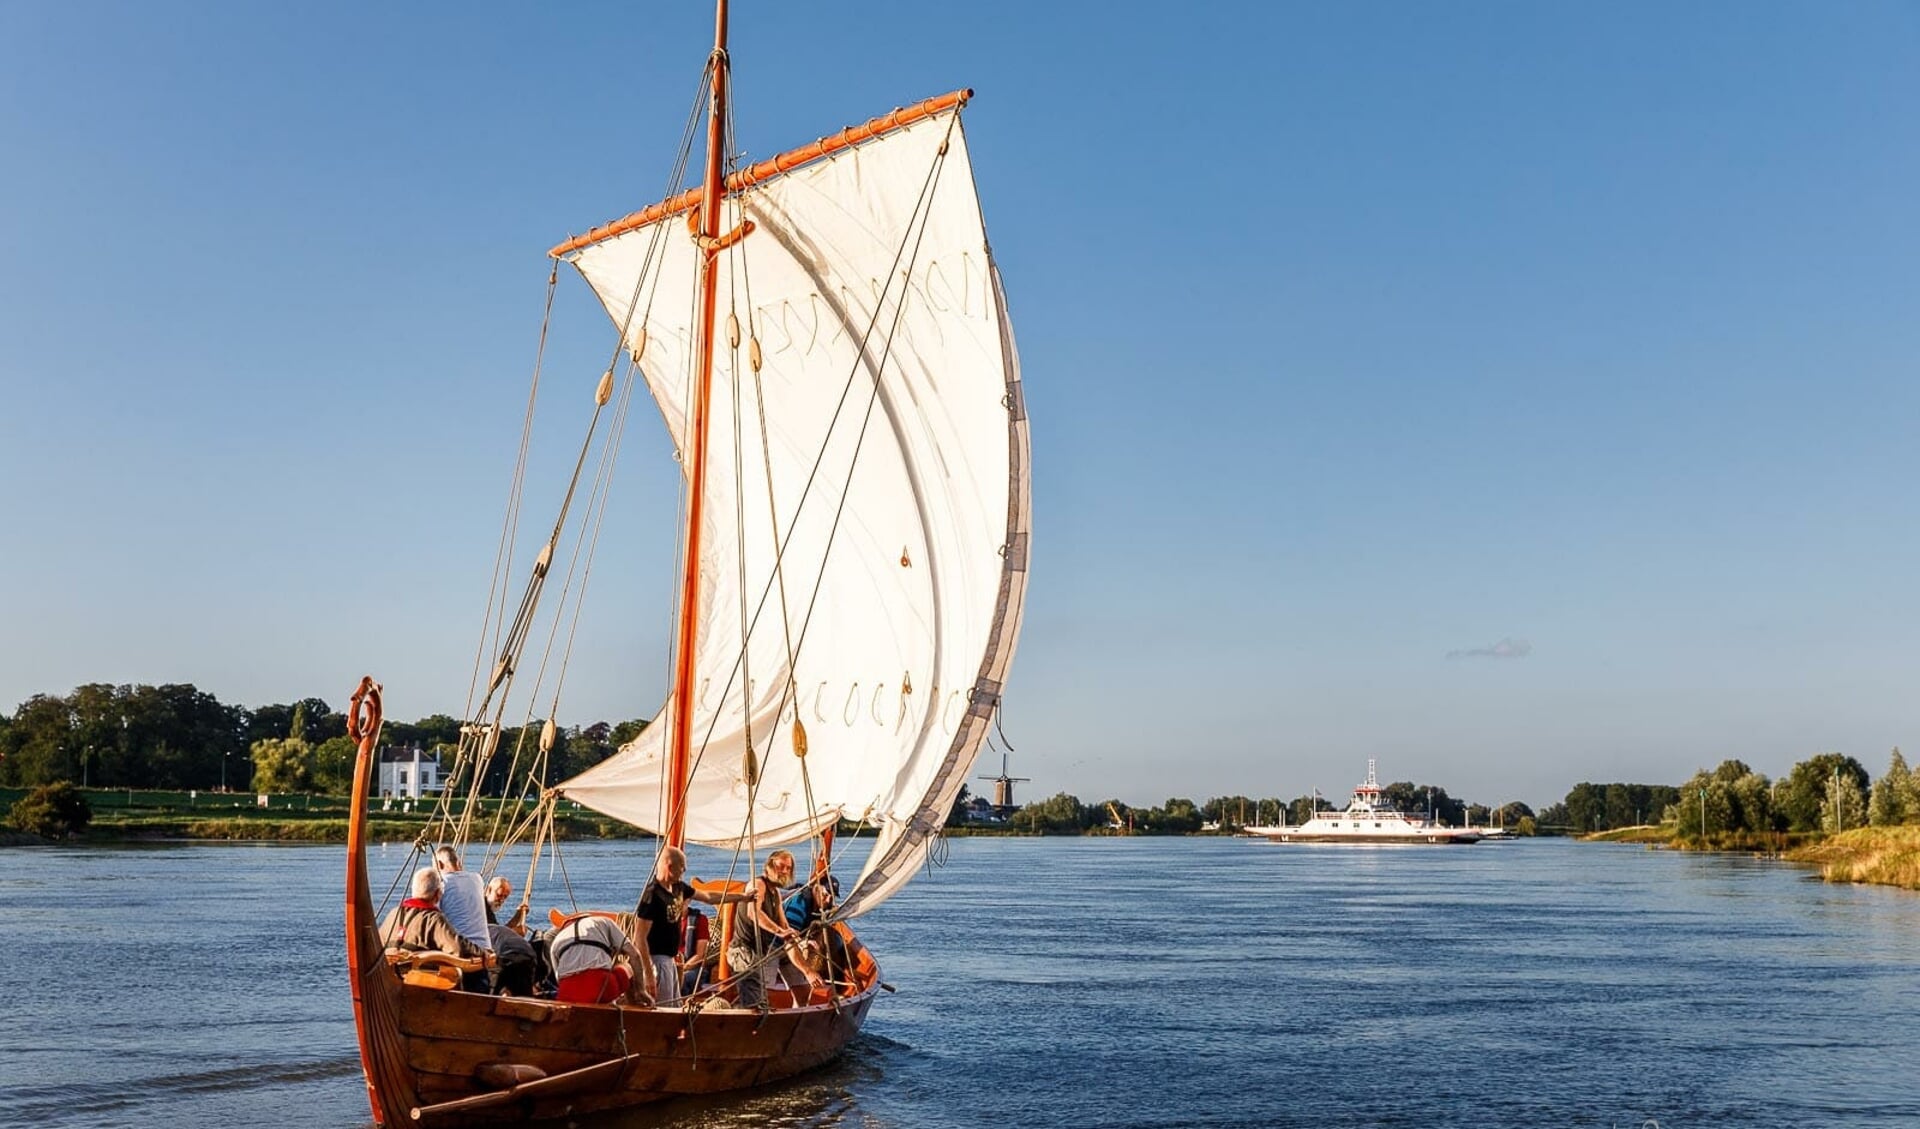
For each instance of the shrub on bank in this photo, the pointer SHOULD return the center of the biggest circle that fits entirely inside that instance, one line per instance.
(1885, 856)
(51, 811)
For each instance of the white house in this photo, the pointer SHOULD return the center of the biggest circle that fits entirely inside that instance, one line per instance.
(409, 772)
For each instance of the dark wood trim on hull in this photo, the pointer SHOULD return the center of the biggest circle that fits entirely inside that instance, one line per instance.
(451, 1037)
(422, 1047)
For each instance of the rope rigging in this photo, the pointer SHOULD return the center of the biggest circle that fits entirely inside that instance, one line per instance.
(527, 810)
(479, 736)
(916, 230)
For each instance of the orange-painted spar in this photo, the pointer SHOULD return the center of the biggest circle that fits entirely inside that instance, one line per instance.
(771, 167)
(712, 195)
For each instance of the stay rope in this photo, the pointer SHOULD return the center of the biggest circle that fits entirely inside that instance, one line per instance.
(913, 238)
(480, 736)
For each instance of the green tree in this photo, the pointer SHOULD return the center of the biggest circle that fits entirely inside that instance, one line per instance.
(1887, 806)
(51, 811)
(1060, 813)
(36, 743)
(332, 761)
(1807, 786)
(1910, 802)
(1230, 811)
(1619, 808)
(1175, 817)
(1510, 814)
(436, 729)
(1586, 808)
(1416, 799)
(1270, 812)
(957, 814)
(1751, 795)
(1845, 806)
(282, 765)
(1706, 808)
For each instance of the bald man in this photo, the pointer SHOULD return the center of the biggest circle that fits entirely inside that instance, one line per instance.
(663, 906)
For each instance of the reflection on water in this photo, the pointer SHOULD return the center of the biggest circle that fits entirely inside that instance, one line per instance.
(1062, 982)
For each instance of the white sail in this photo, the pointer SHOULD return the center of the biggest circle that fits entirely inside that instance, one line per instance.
(902, 511)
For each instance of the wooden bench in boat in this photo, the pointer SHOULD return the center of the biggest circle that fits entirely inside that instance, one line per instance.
(433, 968)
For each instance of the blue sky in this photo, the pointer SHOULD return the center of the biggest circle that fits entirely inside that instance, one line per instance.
(1355, 336)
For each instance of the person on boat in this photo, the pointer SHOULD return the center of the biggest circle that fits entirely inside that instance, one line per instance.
(498, 891)
(806, 910)
(516, 965)
(417, 925)
(596, 963)
(761, 939)
(696, 951)
(663, 906)
(806, 905)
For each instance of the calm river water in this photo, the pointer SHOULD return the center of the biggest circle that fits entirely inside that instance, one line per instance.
(1065, 982)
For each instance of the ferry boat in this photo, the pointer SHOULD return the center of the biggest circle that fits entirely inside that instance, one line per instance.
(1367, 819)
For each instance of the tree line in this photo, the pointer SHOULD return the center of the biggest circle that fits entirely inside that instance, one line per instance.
(1827, 792)
(179, 737)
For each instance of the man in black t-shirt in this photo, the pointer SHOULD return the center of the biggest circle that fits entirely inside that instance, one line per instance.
(663, 904)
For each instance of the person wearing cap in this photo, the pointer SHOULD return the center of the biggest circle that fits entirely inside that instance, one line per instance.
(806, 910)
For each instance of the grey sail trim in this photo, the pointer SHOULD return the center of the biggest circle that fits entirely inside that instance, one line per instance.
(911, 841)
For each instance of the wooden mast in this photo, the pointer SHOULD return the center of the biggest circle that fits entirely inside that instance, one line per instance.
(680, 762)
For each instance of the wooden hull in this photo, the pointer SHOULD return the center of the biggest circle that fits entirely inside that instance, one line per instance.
(425, 1047)
(438, 1057)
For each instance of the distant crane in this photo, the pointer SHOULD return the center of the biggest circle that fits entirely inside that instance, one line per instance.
(1117, 825)
(1003, 787)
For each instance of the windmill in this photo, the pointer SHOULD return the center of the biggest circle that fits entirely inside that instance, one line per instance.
(1003, 787)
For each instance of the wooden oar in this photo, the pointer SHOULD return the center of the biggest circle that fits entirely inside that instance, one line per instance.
(544, 1087)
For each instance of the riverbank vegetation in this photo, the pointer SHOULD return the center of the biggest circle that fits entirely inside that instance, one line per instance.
(51, 811)
(173, 762)
(118, 815)
(180, 738)
(1887, 856)
(1827, 811)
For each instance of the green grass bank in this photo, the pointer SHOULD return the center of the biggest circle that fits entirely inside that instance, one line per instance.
(1881, 856)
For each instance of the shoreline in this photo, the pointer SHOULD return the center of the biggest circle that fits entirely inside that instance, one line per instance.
(1868, 856)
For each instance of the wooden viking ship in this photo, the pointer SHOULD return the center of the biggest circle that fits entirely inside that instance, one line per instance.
(826, 337)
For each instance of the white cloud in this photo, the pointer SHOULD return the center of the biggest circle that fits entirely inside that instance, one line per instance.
(1508, 648)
